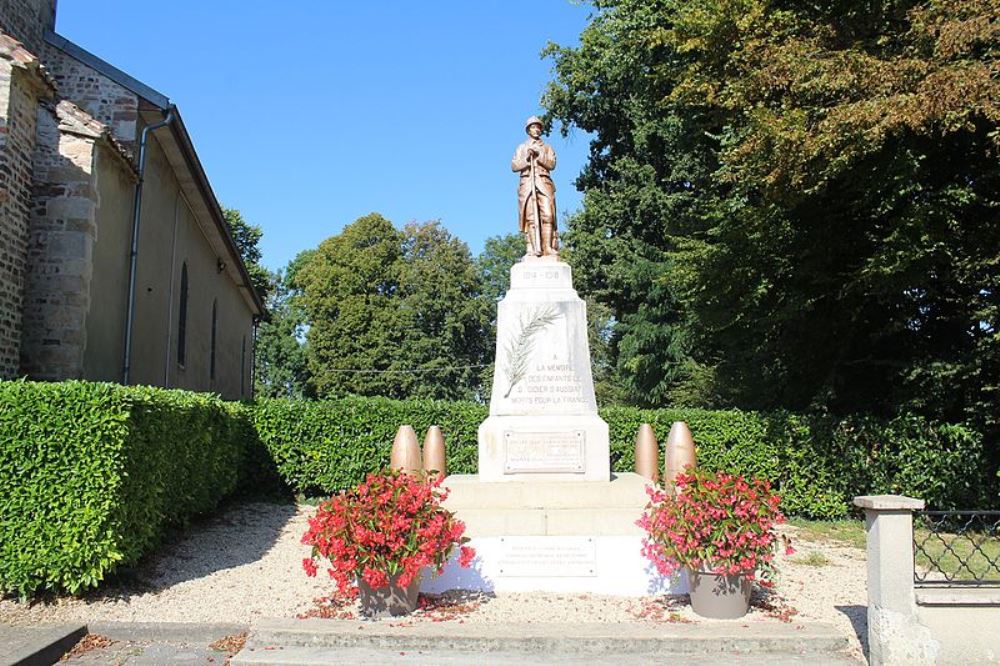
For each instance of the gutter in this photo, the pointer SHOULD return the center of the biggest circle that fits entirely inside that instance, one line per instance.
(134, 254)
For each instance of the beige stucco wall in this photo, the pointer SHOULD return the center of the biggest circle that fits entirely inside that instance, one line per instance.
(967, 634)
(170, 237)
(105, 324)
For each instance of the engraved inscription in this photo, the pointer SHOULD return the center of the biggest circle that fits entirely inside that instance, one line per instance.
(547, 556)
(544, 452)
(551, 384)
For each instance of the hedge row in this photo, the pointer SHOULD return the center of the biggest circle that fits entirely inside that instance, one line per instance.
(92, 475)
(819, 464)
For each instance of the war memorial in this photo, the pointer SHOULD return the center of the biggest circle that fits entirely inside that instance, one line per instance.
(545, 513)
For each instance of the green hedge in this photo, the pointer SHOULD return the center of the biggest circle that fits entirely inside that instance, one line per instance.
(91, 475)
(818, 463)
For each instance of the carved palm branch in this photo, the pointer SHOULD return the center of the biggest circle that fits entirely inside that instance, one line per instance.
(519, 346)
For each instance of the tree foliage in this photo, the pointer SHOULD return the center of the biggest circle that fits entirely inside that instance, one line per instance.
(494, 262)
(247, 237)
(280, 361)
(393, 313)
(793, 204)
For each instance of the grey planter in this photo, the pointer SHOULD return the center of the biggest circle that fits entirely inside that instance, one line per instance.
(719, 597)
(388, 601)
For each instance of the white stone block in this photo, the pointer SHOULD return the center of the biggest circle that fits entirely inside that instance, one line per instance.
(578, 564)
(544, 448)
(543, 420)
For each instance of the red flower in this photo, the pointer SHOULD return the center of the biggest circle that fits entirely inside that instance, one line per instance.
(392, 522)
(309, 565)
(715, 521)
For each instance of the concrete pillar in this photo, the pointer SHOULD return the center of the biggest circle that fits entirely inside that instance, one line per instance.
(895, 636)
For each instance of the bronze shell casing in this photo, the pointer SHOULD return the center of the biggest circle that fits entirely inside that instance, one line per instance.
(680, 453)
(435, 457)
(405, 454)
(647, 453)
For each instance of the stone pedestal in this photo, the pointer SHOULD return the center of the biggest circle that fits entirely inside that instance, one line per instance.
(543, 422)
(534, 525)
(551, 536)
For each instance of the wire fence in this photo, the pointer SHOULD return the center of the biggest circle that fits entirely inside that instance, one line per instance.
(956, 548)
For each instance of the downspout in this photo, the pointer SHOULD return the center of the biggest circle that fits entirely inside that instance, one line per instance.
(133, 256)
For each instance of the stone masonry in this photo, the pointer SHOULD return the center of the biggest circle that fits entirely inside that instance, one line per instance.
(60, 249)
(28, 20)
(102, 98)
(22, 83)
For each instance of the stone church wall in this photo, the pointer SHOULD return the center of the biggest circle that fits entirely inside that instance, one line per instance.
(27, 20)
(60, 253)
(18, 101)
(107, 101)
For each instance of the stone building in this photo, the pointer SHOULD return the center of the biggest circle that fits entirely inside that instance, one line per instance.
(116, 263)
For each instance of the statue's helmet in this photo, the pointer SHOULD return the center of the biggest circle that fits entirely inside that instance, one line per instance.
(533, 120)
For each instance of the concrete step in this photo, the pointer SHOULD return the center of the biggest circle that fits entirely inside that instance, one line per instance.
(624, 491)
(570, 640)
(312, 656)
(37, 645)
(593, 522)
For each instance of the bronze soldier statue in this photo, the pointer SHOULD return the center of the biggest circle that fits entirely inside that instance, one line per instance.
(536, 193)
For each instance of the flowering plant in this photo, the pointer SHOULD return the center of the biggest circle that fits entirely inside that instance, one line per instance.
(715, 522)
(389, 526)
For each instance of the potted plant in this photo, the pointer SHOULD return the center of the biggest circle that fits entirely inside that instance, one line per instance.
(380, 534)
(719, 527)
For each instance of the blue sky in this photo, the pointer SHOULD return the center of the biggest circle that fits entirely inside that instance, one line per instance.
(308, 115)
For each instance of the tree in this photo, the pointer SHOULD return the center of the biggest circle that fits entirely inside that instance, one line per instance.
(393, 313)
(794, 204)
(247, 239)
(494, 262)
(281, 370)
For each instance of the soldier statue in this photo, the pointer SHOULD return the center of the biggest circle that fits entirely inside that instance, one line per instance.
(536, 193)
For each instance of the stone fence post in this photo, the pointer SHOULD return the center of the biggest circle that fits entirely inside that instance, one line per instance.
(895, 635)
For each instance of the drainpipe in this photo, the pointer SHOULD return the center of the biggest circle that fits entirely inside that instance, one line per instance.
(133, 256)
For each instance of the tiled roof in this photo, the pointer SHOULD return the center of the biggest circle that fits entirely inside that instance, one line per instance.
(75, 120)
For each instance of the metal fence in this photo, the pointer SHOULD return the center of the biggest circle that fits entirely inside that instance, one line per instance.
(956, 548)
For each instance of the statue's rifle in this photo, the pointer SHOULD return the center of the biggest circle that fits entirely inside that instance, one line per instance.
(538, 215)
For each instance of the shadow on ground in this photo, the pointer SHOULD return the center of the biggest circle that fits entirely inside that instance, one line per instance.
(202, 548)
(858, 615)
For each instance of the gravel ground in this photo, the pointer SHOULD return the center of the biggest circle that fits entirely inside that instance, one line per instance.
(245, 564)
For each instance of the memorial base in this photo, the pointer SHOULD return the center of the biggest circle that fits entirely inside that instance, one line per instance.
(552, 536)
(569, 565)
(544, 448)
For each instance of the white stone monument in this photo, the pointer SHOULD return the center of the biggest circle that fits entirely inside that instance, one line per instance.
(543, 422)
(544, 513)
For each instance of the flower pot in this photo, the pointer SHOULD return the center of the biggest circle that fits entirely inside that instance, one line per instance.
(388, 601)
(719, 596)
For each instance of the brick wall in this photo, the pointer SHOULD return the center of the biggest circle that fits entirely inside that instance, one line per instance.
(115, 106)
(18, 100)
(26, 21)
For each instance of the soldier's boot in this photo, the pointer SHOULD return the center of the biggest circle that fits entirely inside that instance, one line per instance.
(548, 247)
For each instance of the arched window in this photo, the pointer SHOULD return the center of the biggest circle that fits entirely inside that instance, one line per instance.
(182, 316)
(211, 363)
